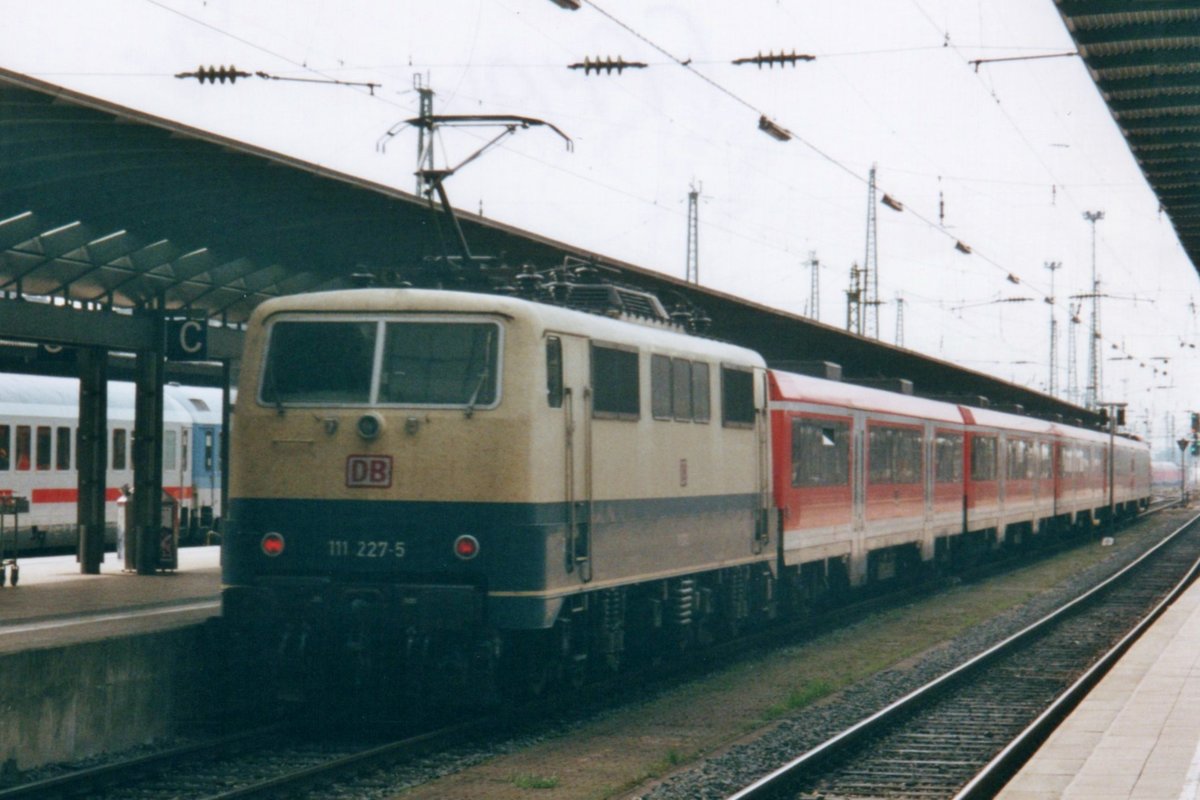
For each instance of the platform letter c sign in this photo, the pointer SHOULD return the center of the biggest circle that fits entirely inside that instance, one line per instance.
(187, 340)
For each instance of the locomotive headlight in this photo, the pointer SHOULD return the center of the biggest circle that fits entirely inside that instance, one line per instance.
(466, 547)
(370, 425)
(272, 544)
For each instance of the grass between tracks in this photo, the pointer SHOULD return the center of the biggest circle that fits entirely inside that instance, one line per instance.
(622, 753)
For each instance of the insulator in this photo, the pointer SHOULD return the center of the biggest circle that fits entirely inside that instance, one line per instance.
(215, 74)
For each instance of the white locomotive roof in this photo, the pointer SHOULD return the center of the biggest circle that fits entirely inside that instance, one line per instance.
(48, 397)
(550, 317)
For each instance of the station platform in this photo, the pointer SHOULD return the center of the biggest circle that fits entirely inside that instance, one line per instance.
(1137, 734)
(54, 604)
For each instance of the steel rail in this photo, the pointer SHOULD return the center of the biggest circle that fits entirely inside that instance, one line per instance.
(770, 784)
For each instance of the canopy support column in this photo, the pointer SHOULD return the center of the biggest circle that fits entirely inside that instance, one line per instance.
(91, 456)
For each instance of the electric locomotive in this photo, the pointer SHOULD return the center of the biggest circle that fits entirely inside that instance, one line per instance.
(439, 487)
(431, 490)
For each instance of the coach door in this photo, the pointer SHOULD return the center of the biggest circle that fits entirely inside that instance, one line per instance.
(574, 366)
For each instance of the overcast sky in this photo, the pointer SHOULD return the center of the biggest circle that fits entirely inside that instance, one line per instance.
(1005, 158)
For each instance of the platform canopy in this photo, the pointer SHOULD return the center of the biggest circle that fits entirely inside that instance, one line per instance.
(109, 210)
(1144, 56)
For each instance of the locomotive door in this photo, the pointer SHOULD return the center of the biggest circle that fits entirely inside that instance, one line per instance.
(574, 355)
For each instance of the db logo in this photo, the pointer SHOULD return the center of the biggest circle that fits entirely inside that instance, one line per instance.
(372, 471)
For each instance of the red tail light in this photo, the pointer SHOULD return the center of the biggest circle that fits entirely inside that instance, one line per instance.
(466, 547)
(272, 544)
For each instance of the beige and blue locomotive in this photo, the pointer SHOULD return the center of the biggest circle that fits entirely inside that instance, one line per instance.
(471, 485)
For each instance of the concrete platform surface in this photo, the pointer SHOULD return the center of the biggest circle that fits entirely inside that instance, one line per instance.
(1137, 735)
(53, 604)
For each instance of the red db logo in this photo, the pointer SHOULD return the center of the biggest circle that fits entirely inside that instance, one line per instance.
(370, 471)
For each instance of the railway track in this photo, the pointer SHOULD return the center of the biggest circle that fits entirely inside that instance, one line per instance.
(965, 733)
(263, 762)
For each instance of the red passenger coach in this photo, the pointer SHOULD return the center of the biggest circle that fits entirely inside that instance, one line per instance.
(860, 470)
(870, 483)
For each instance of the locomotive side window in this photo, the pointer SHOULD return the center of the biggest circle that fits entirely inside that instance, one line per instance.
(660, 387)
(118, 448)
(319, 362)
(820, 453)
(894, 455)
(554, 372)
(440, 363)
(948, 457)
(615, 386)
(701, 398)
(5, 437)
(62, 453)
(681, 389)
(737, 397)
(24, 447)
(983, 458)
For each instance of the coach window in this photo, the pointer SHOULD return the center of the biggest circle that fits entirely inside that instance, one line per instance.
(820, 453)
(5, 443)
(983, 458)
(62, 453)
(43, 447)
(948, 457)
(701, 399)
(118, 448)
(554, 372)
(660, 387)
(615, 385)
(169, 451)
(737, 397)
(1045, 460)
(24, 448)
(1017, 468)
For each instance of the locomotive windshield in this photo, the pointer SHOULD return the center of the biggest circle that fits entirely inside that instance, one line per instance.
(423, 363)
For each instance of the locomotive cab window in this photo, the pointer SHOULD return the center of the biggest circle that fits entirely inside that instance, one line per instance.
(319, 362)
(737, 397)
(424, 362)
(615, 386)
(440, 364)
(5, 435)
